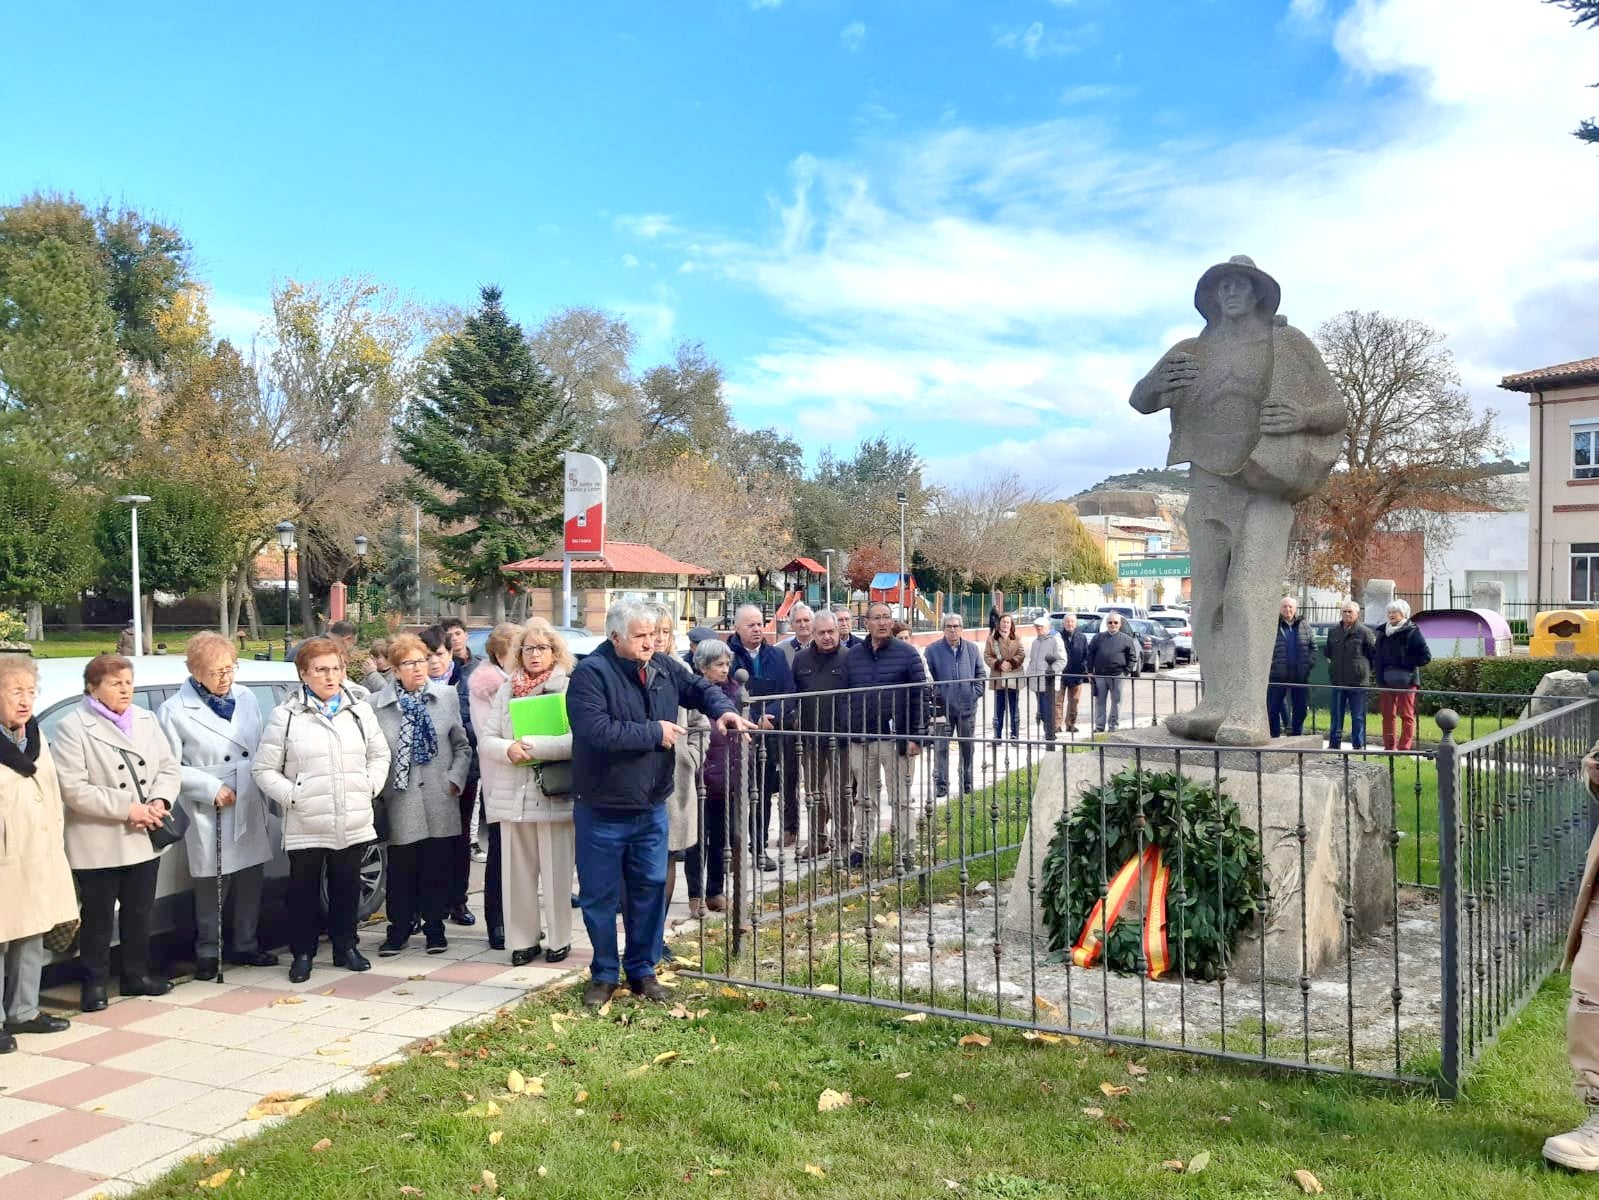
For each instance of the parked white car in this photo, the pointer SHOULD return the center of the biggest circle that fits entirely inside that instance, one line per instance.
(1182, 630)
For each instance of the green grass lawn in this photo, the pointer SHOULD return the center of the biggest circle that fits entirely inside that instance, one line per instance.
(722, 1100)
(103, 641)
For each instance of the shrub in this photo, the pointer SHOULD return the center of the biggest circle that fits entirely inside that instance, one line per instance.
(1513, 675)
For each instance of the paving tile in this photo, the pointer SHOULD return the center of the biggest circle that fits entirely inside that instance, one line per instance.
(367, 1048)
(16, 1113)
(104, 1046)
(532, 977)
(42, 1043)
(467, 972)
(163, 1058)
(25, 1070)
(45, 1181)
(353, 1082)
(223, 1068)
(358, 1014)
(169, 1020)
(210, 1113)
(396, 967)
(55, 1134)
(124, 1148)
(420, 1022)
(157, 1167)
(241, 1000)
(144, 1100)
(357, 986)
(293, 1041)
(8, 1165)
(79, 1088)
(298, 1013)
(236, 1030)
(479, 998)
(297, 1075)
(416, 992)
(121, 1013)
(459, 948)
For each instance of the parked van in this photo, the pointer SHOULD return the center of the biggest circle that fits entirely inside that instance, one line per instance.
(1126, 610)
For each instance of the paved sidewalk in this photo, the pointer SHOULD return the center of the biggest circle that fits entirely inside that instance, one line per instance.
(125, 1094)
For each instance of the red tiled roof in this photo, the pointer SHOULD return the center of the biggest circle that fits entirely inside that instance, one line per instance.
(627, 558)
(1583, 370)
(806, 564)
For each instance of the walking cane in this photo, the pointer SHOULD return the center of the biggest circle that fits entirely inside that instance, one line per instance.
(219, 891)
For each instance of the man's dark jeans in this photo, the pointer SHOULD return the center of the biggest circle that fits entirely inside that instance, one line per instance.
(1285, 708)
(963, 728)
(1353, 701)
(616, 853)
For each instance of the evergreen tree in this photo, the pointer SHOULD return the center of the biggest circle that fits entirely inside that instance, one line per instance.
(46, 555)
(396, 566)
(489, 434)
(184, 543)
(1583, 12)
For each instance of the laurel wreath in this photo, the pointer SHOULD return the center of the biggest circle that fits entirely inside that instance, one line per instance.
(1216, 888)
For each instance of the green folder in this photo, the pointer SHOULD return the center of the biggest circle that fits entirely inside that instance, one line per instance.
(540, 716)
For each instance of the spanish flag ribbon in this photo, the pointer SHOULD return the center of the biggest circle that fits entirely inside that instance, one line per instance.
(1151, 867)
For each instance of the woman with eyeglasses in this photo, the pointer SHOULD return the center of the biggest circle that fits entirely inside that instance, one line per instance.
(429, 759)
(538, 850)
(213, 726)
(322, 759)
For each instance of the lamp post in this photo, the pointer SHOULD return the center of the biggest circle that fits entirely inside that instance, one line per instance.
(133, 503)
(286, 540)
(904, 607)
(361, 545)
(829, 554)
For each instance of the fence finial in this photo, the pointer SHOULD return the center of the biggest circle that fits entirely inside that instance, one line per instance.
(1448, 720)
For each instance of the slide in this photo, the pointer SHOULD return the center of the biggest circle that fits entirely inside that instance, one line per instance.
(789, 601)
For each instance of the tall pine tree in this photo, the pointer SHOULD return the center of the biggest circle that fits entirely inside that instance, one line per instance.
(490, 433)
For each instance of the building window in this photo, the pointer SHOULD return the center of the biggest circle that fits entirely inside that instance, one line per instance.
(1584, 572)
(1585, 453)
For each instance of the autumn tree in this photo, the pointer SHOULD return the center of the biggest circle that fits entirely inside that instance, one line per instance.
(974, 532)
(490, 435)
(866, 561)
(588, 353)
(1059, 547)
(1414, 449)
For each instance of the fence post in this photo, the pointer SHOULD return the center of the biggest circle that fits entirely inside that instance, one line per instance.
(1449, 899)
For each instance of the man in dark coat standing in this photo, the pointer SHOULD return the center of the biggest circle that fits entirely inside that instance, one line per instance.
(777, 760)
(887, 721)
(956, 666)
(1113, 655)
(1292, 657)
(824, 758)
(1350, 646)
(1076, 675)
(622, 704)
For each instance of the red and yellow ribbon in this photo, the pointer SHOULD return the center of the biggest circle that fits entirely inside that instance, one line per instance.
(1151, 868)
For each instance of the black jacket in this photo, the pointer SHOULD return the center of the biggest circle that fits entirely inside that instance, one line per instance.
(1349, 652)
(1400, 655)
(1113, 654)
(887, 709)
(1294, 635)
(769, 676)
(1076, 657)
(818, 672)
(617, 758)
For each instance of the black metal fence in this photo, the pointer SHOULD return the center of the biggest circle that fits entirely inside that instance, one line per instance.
(1377, 913)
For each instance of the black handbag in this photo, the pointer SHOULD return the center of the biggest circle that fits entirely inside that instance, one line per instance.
(1398, 677)
(174, 825)
(555, 778)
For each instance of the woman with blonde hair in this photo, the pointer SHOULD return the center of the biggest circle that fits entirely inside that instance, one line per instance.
(213, 725)
(683, 806)
(533, 810)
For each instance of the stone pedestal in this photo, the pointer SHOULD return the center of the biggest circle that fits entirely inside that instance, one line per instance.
(1344, 806)
(1379, 595)
(1489, 594)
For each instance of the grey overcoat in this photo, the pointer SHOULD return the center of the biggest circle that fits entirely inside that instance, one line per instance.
(427, 808)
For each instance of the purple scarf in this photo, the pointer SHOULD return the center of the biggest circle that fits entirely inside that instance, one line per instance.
(122, 720)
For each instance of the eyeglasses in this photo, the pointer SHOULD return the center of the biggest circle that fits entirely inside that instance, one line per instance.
(540, 647)
(333, 670)
(411, 664)
(220, 672)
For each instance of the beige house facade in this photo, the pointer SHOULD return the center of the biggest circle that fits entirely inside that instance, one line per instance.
(1563, 485)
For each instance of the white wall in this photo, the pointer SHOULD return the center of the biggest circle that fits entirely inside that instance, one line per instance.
(1487, 546)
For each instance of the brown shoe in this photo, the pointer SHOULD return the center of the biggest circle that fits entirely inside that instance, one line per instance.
(597, 993)
(716, 904)
(650, 988)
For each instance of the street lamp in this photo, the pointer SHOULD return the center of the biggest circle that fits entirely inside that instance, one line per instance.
(904, 607)
(286, 540)
(360, 566)
(133, 503)
(829, 554)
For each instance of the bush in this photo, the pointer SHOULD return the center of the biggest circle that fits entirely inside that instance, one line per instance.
(1513, 675)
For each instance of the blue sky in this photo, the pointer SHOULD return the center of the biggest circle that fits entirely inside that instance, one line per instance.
(970, 224)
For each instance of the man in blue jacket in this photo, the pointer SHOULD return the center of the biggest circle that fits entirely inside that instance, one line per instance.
(957, 670)
(1292, 657)
(622, 703)
(887, 722)
(777, 759)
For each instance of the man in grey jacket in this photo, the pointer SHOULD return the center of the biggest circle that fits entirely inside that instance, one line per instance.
(1112, 656)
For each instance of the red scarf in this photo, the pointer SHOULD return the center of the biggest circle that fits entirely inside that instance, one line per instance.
(523, 684)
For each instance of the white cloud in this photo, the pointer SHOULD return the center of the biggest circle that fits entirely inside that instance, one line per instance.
(240, 319)
(1035, 41)
(646, 225)
(853, 36)
(760, 4)
(630, 261)
(1306, 10)
(1024, 278)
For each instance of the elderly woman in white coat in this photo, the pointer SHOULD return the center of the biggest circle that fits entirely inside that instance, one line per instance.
(119, 778)
(214, 726)
(537, 844)
(429, 758)
(34, 877)
(321, 761)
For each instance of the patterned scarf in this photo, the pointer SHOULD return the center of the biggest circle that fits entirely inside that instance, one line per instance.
(221, 705)
(122, 720)
(329, 707)
(419, 742)
(523, 684)
(19, 748)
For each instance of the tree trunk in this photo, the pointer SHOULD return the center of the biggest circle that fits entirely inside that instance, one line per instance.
(499, 606)
(254, 616)
(35, 631)
(224, 624)
(148, 600)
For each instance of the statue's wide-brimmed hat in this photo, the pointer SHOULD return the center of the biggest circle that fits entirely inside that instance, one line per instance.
(1268, 292)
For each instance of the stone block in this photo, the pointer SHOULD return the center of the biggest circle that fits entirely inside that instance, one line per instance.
(1345, 807)
(1489, 594)
(1379, 595)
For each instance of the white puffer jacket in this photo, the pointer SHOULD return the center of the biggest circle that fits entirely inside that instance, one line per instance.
(511, 792)
(322, 773)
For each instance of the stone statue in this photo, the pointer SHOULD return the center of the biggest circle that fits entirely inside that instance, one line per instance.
(1255, 411)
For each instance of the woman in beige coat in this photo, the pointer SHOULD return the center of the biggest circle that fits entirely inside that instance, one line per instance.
(537, 846)
(34, 877)
(119, 778)
(1579, 1149)
(1004, 656)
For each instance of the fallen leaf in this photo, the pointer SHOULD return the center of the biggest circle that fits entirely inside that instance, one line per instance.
(826, 987)
(665, 1056)
(616, 1147)
(1266, 1105)
(1136, 1071)
(813, 1169)
(496, 1137)
(1093, 1112)
(730, 993)
(1114, 1089)
(830, 1100)
(332, 1051)
(490, 1180)
(534, 1086)
(605, 1009)
(581, 1097)
(543, 1171)
(1119, 1125)
(914, 1018)
(903, 1075)
(666, 977)
(1049, 1039)
(678, 1012)
(324, 1144)
(515, 1082)
(377, 1069)
(407, 1190)
(217, 1180)
(486, 1109)
(282, 1000)
(1198, 1163)
(1308, 1183)
(952, 1185)
(269, 1107)
(976, 1039)
(637, 1071)
(1173, 1164)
